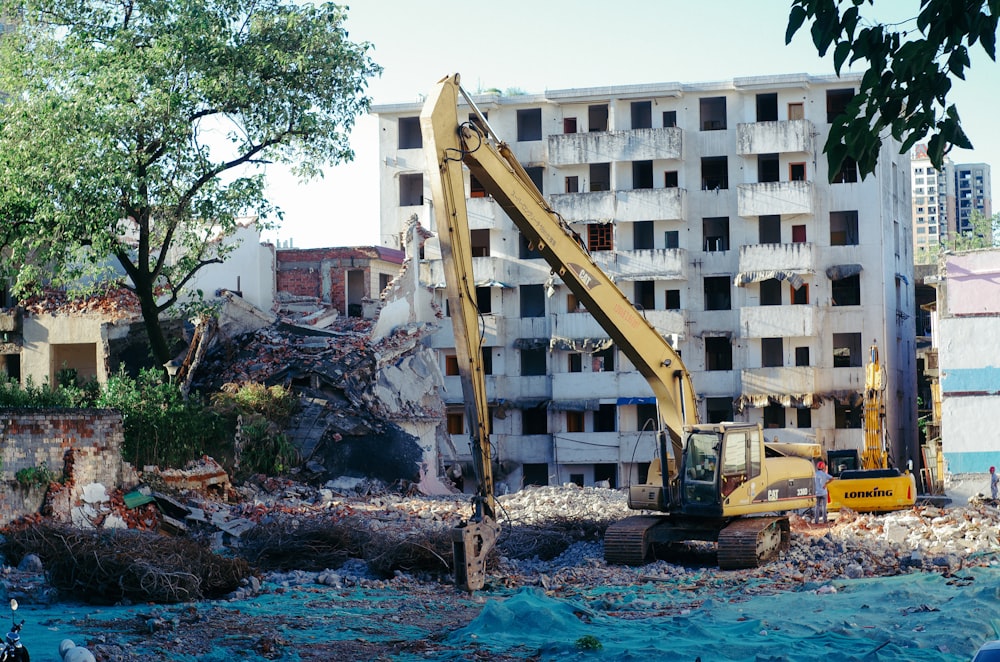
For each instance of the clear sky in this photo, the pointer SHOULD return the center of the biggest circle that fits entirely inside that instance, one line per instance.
(535, 45)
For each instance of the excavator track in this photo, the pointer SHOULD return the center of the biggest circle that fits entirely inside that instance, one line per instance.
(749, 542)
(626, 542)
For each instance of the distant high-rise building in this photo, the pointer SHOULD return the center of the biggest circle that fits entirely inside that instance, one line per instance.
(944, 200)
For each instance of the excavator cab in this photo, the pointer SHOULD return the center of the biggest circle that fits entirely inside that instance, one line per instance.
(701, 469)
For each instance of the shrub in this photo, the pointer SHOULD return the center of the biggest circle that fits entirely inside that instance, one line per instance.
(39, 476)
(258, 414)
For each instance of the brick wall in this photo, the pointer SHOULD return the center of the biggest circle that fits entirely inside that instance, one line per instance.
(322, 272)
(28, 437)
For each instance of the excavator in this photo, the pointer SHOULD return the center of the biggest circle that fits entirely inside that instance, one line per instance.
(716, 482)
(872, 484)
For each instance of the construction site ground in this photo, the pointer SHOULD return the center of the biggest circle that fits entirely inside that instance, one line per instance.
(920, 584)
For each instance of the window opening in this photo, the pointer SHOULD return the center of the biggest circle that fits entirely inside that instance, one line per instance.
(712, 113)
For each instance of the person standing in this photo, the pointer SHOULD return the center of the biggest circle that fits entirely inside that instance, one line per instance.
(820, 478)
(994, 482)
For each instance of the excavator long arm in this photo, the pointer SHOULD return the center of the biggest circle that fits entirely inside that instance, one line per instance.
(473, 540)
(451, 143)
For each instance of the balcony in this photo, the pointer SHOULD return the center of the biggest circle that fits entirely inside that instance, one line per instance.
(774, 137)
(668, 322)
(597, 385)
(665, 204)
(601, 147)
(790, 380)
(590, 447)
(644, 264)
(493, 328)
(792, 258)
(484, 213)
(595, 206)
(778, 321)
(490, 272)
(764, 198)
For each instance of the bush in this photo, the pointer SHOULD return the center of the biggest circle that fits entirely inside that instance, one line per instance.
(39, 476)
(257, 414)
(161, 428)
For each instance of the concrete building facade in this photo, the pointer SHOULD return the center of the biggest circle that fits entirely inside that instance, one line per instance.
(709, 205)
(967, 355)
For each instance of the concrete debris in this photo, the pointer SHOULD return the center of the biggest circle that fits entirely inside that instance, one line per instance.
(204, 475)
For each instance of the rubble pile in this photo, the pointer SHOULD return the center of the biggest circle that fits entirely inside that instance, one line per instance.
(115, 303)
(552, 536)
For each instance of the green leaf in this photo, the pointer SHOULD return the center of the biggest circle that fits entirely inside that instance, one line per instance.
(840, 54)
(796, 17)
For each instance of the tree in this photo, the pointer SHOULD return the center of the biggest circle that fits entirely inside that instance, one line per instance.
(137, 131)
(905, 88)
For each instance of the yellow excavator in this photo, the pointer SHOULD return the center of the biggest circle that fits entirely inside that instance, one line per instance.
(712, 482)
(875, 485)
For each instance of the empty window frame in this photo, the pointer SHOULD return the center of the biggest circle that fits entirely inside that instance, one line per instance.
(642, 115)
(642, 235)
(534, 420)
(411, 189)
(642, 174)
(644, 294)
(456, 422)
(487, 358)
(600, 237)
(535, 473)
(484, 299)
(772, 352)
(796, 172)
(802, 356)
(671, 239)
(718, 409)
(767, 107)
(450, 365)
(529, 124)
(767, 168)
(798, 234)
(718, 295)
(606, 418)
(712, 113)
(600, 177)
(774, 416)
(476, 188)
(574, 421)
(847, 350)
(803, 417)
(846, 417)
(844, 228)
(573, 304)
(646, 417)
(715, 230)
(536, 175)
(846, 291)
(769, 229)
(574, 362)
(597, 118)
(848, 173)
(673, 300)
(572, 184)
(670, 179)
(669, 119)
(800, 294)
(718, 353)
(603, 361)
(714, 173)
(532, 300)
(533, 362)
(569, 125)
(836, 102)
(409, 133)
(480, 240)
(770, 292)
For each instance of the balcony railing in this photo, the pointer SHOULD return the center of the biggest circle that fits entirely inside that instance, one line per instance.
(644, 264)
(778, 321)
(774, 137)
(788, 380)
(602, 147)
(622, 205)
(793, 258)
(770, 198)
